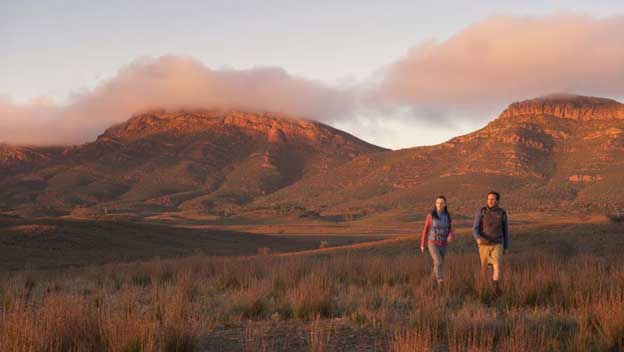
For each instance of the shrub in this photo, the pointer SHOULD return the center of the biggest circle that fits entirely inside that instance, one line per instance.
(264, 251)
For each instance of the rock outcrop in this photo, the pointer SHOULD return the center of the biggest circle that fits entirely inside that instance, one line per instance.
(567, 106)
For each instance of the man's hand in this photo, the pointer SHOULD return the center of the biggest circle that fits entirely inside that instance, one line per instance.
(505, 251)
(449, 239)
(479, 240)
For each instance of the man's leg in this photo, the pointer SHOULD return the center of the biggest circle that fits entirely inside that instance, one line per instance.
(497, 262)
(484, 256)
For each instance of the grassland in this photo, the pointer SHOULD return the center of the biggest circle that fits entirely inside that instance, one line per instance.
(61, 243)
(563, 290)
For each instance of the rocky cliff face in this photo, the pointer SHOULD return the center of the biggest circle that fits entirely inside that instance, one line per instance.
(274, 128)
(563, 106)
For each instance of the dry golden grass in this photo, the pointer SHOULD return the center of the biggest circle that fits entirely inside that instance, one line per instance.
(318, 335)
(554, 299)
(255, 338)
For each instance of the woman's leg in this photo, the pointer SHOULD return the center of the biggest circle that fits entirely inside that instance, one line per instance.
(437, 255)
(442, 251)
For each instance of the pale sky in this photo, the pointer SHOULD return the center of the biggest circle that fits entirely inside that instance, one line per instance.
(60, 51)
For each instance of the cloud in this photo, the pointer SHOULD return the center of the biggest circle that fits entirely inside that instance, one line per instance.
(168, 82)
(507, 58)
(465, 79)
(18, 122)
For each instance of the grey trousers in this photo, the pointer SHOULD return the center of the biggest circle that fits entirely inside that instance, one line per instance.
(437, 254)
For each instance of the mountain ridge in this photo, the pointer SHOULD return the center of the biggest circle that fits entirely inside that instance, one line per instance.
(528, 154)
(570, 106)
(228, 163)
(160, 160)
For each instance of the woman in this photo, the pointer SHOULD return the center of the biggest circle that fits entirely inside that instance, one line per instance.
(438, 233)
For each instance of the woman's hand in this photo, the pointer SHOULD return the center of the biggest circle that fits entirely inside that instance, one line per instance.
(422, 249)
(449, 239)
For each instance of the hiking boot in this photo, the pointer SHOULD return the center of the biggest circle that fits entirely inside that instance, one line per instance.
(497, 288)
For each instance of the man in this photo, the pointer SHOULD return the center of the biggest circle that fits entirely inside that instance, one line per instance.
(491, 231)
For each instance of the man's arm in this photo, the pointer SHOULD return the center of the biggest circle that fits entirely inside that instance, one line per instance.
(505, 232)
(476, 226)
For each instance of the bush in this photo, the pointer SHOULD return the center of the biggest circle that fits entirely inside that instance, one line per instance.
(616, 217)
(264, 251)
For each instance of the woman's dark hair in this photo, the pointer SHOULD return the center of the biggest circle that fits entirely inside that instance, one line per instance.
(434, 213)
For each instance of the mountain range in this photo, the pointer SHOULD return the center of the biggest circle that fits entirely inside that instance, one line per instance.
(557, 152)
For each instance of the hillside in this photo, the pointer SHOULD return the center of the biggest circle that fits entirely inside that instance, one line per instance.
(202, 161)
(559, 151)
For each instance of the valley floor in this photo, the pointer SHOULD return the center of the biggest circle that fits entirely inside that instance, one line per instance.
(563, 289)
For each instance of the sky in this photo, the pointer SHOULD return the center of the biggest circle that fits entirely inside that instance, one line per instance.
(397, 74)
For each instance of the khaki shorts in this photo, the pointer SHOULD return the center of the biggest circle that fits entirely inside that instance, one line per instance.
(492, 254)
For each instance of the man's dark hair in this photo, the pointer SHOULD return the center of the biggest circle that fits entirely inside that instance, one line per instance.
(495, 194)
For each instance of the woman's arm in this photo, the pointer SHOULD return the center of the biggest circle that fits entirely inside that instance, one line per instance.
(425, 231)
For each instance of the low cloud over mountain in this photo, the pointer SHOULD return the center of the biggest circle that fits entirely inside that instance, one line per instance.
(468, 77)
